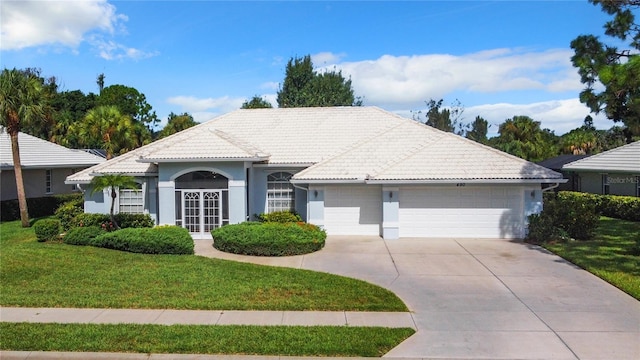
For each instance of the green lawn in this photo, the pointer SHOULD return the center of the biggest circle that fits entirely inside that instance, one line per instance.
(611, 255)
(251, 340)
(36, 274)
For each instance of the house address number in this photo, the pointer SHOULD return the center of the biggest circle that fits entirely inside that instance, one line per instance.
(461, 184)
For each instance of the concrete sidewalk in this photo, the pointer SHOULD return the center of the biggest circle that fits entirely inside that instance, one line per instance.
(207, 317)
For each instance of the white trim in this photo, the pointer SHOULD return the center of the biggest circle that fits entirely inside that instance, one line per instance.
(235, 183)
(166, 184)
(171, 160)
(201, 168)
(284, 166)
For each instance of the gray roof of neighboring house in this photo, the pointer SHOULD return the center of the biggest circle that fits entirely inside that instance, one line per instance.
(625, 158)
(556, 163)
(36, 153)
(340, 144)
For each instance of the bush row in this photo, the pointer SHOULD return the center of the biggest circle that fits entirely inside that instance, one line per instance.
(158, 240)
(38, 207)
(124, 220)
(269, 238)
(620, 207)
(564, 216)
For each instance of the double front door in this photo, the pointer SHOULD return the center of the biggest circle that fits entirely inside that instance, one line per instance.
(203, 210)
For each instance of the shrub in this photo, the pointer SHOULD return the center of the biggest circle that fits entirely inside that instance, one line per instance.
(269, 239)
(104, 221)
(279, 217)
(67, 211)
(160, 240)
(47, 229)
(565, 215)
(82, 235)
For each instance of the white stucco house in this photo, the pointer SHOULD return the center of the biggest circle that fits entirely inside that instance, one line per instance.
(351, 170)
(45, 166)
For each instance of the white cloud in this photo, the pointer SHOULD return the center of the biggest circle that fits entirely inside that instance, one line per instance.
(31, 23)
(397, 80)
(206, 108)
(560, 116)
(111, 50)
(326, 58)
(35, 23)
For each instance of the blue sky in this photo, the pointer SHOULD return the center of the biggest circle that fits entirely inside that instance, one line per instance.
(498, 58)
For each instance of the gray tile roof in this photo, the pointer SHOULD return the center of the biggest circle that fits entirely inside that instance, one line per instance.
(36, 153)
(341, 143)
(621, 159)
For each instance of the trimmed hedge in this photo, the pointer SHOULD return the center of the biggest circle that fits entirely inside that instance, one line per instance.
(269, 239)
(158, 240)
(82, 235)
(279, 217)
(615, 206)
(104, 221)
(69, 210)
(38, 207)
(47, 229)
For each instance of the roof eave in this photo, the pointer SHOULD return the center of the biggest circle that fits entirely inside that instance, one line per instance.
(227, 159)
(465, 181)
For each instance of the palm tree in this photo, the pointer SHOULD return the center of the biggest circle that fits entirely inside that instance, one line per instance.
(22, 100)
(107, 128)
(113, 182)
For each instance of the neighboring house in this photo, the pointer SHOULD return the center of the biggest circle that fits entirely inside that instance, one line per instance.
(45, 166)
(615, 172)
(351, 170)
(556, 164)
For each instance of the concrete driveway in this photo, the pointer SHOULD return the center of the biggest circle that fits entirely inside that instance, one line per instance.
(484, 299)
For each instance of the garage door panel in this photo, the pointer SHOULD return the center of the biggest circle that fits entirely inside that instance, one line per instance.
(482, 212)
(353, 210)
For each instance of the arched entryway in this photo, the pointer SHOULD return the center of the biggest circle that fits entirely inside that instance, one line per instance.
(202, 201)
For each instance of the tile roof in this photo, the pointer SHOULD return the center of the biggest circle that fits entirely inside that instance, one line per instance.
(625, 158)
(37, 153)
(341, 143)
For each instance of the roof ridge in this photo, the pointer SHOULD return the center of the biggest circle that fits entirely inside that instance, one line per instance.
(409, 153)
(243, 145)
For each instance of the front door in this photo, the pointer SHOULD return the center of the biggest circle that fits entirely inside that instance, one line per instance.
(202, 210)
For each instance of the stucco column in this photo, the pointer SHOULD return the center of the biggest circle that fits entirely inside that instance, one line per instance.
(237, 201)
(316, 206)
(390, 213)
(167, 199)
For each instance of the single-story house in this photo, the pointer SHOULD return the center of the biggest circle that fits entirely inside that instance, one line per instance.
(45, 166)
(615, 172)
(556, 163)
(350, 170)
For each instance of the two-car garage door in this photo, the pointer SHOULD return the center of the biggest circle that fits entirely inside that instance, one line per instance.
(428, 211)
(466, 212)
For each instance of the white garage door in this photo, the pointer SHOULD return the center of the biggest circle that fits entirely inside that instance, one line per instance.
(353, 210)
(465, 212)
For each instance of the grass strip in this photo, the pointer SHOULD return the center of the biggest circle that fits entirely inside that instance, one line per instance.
(611, 255)
(58, 275)
(201, 339)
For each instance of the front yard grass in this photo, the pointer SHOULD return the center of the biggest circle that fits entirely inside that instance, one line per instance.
(612, 255)
(36, 274)
(186, 339)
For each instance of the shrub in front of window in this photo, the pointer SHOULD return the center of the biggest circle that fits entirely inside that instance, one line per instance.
(269, 239)
(104, 221)
(47, 229)
(279, 217)
(160, 240)
(82, 235)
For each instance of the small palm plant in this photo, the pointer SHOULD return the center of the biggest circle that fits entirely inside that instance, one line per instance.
(113, 182)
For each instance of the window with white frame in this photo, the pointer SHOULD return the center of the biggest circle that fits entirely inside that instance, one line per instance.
(48, 181)
(131, 201)
(280, 192)
(605, 184)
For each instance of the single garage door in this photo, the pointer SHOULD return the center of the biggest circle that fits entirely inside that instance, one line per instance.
(353, 210)
(465, 212)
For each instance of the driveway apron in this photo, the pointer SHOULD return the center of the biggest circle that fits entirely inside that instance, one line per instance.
(484, 299)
